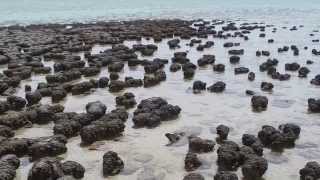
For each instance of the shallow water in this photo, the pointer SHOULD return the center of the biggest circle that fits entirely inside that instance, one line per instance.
(144, 151)
(45, 11)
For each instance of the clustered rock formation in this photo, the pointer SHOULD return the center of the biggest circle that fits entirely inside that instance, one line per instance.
(25, 50)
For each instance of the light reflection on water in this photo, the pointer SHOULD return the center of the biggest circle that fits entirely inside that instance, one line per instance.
(144, 150)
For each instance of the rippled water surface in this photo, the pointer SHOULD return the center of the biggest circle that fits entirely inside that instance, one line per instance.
(144, 151)
(49, 11)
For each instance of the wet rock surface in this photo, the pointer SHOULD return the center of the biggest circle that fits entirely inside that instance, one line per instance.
(217, 87)
(103, 128)
(314, 105)
(223, 131)
(52, 168)
(191, 162)
(97, 109)
(152, 111)
(112, 164)
(259, 102)
(46, 64)
(224, 175)
(310, 171)
(8, 165)
(280, 138)
(73, 168)
(47, 146)
(127, 100)
(199, 145)
(193, 176)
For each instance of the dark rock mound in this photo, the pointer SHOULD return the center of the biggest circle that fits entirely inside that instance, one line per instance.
(198, 145)
(219, 67)
(225, 175)
(314, 105)
(97, 109)
(199, 86)
(311, 171)
(8, 165)
(254, 167)
(191, 162)
(217, 87)
(150, 112)
(279, 139)
(48, 146)
(46, 168)
(259, 102)
(73, 168)
(193, 176)
(223, 131)
(241, 70)
(127, 100)
(104, 128)
(112, 164)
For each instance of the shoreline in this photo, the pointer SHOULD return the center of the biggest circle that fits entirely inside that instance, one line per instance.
(167, 96)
